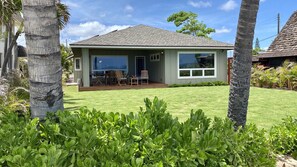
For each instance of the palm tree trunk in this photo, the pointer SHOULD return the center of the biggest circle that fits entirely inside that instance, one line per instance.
(44, 58)
(242, 64)
(8, 54)
(5, 48)
(10, 41)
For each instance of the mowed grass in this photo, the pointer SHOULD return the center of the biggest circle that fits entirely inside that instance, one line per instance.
(266, 106)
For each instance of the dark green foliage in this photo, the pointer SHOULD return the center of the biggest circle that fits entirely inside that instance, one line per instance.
(190, 24)
(150, 138)
(257, 44)
(66, 62)
(283, 137)
(215, 83)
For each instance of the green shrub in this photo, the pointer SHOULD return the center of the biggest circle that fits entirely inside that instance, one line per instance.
(283, 137)
(14, 93)
(214, 83)
(150, 138)
(284, 76)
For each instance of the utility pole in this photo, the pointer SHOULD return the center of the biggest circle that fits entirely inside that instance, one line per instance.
(278, 23)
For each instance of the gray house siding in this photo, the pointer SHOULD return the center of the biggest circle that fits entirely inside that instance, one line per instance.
(171, 67)
(77, 54)
(156, 69)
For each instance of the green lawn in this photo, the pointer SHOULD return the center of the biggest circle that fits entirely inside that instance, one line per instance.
(266, 106)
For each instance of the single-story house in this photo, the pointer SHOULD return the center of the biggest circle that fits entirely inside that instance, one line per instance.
(169, 57)
(284, 46)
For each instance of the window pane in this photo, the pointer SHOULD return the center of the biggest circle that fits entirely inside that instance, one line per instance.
(209, 72)
(184, 73)
(197, 72)
(104, 63)
(196, 60)
(77, 63)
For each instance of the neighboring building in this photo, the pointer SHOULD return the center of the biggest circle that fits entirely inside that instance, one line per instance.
(169, 57)
(284, 46)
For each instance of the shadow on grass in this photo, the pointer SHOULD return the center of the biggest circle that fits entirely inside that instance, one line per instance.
(72, 108)
(73, 102)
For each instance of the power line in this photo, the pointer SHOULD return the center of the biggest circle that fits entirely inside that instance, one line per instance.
(267, 38)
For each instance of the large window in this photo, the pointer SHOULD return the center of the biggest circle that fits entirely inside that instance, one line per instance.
(196, 65)
(101, 64)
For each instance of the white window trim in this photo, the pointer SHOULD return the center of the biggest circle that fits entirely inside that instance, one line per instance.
(75, 69)
(92, 65)
(191, 69)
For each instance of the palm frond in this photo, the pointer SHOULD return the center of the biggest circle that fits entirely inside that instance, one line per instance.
(62, 14)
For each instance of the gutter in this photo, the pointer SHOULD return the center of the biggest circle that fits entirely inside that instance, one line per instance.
(151, 47)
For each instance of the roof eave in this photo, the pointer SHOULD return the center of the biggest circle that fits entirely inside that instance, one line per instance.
(150, 47)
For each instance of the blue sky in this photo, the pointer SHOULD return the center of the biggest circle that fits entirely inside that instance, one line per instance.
(93, 17)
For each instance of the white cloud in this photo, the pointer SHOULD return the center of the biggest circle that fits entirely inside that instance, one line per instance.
(71, 4)
(74, 32)
(223, 30)
(200, 4)
(128, 9)
(229, 5)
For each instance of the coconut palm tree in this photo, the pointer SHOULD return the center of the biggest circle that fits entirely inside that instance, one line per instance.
(44, 58)
(242, 63)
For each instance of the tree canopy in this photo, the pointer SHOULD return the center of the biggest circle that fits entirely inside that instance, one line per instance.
(189, 24)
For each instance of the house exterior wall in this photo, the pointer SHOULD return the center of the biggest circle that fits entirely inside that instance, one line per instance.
(163, 71)
(171, 67)
(276, 61)
(77, 54)
(85, 64)
(130, 53)
(156, 69)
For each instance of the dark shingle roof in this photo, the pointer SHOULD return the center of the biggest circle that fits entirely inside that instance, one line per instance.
(285, 44)
(146, 36)
(287, 38)
(284, 53)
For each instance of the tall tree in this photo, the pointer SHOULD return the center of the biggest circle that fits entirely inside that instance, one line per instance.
(44, 57)
(190, 24)
(257, 44)
(242, 63)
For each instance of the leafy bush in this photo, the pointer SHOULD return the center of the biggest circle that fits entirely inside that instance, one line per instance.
(281, 77)
(66, 62)
(150, 138)
(283, 137)
(14, 94)
(215, 83)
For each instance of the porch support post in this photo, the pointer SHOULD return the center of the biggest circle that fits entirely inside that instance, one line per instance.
(86, 67)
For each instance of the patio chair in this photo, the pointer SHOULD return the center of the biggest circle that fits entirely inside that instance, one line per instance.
(144, 76)
(120, 77)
